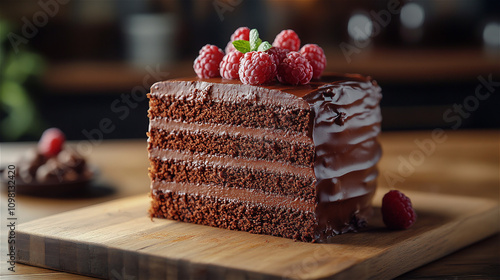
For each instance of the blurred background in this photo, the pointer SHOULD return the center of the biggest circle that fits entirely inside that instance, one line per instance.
(85, 65)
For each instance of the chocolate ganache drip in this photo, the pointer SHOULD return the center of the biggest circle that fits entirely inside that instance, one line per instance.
(344, 129)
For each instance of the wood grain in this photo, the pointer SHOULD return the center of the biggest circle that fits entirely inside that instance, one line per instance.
(117, 239)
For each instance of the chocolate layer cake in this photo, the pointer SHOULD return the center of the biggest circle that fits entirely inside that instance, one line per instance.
(291, 161)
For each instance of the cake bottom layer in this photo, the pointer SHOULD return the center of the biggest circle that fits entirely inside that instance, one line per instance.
(203, 206)
(235, 215)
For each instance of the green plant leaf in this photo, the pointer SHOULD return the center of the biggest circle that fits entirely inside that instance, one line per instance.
(18, 67)
(242, 46)
(264, 46)
(4, 29)
(20, 110)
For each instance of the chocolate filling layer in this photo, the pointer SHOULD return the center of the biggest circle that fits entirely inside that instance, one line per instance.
(234, 194)
(269, 177)
(235, 145)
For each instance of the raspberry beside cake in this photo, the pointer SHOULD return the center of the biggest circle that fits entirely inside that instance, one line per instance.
(291, 161)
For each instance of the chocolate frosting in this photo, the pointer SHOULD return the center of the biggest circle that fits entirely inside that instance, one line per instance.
(344, 127)
(344, 130)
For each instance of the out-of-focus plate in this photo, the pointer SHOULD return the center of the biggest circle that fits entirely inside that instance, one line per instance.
(45, 189)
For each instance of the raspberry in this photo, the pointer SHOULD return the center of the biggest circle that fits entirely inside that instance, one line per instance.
(256, 68)
(51, 142)
(277, 56)
(397, 211)
(295, 69)
(242, 33)
(316, 57)
(287, 39)
(207, 63)
(230, 65)
(229, 47)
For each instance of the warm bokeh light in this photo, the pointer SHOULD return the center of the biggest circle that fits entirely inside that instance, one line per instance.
(491, 34)
(360, 27)
(412, 15)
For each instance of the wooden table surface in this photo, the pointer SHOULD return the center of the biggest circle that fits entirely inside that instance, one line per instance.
(467, 161)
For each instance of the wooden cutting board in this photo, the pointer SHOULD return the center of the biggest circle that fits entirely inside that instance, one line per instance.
(117, 240)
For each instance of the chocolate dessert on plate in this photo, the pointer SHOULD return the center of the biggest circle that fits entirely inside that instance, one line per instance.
(50, 168)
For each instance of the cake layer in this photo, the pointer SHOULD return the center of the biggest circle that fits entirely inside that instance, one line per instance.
(234, 215)
(211, 111)
(270, 177)
(255, 212)
(234, 209)
(233, 91)
(221, 140)
(221, 129)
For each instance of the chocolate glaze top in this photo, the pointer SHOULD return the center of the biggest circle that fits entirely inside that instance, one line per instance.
(298, 91)
(234, 91)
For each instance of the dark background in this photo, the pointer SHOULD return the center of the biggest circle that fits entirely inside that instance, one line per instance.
(74, 67)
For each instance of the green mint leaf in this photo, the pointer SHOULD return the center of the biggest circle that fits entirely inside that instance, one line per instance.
(242, 46)
(264, 46)
(259, 41)
(254, 39)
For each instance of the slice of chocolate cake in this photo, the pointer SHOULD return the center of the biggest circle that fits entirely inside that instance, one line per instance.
(291, 161)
